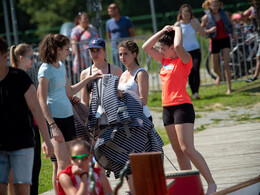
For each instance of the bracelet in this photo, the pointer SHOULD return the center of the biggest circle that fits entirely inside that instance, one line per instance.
(52, 123)
(83, 174)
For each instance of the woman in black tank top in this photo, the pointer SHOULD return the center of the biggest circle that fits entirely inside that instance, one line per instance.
(97, 52)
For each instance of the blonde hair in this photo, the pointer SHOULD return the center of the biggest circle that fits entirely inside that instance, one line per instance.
(207, 3)
(16, 51)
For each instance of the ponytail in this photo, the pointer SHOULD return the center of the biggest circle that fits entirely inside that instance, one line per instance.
(13, 58)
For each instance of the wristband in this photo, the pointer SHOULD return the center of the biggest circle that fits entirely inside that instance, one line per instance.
(83, 174)
(52, 124)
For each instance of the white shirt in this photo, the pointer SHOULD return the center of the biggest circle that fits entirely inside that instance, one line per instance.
(133, 86)
(189, 37)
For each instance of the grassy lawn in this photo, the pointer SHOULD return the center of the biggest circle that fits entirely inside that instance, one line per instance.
(212, 98)
(45, 179)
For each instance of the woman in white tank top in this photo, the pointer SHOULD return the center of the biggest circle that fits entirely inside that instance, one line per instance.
(190, 26)
(134, 78)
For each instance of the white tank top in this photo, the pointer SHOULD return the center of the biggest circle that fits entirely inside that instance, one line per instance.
(133, 86)
(189, 37)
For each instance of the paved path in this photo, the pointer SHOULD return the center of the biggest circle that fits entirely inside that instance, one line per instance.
(232, 153)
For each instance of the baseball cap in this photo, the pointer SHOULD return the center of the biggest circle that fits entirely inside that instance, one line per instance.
(97, 43)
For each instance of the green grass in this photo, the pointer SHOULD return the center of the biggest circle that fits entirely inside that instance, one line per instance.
(45, 179)
(212, 98)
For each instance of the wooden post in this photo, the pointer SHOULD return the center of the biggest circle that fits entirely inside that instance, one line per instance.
(148, 173)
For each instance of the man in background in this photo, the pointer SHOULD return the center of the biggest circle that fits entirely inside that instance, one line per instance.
(118, 27)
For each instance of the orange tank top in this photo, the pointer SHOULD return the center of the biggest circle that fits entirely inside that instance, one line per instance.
(174, 75)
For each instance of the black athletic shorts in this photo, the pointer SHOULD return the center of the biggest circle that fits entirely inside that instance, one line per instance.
(67, 127)
(218, 44)
(183, 113)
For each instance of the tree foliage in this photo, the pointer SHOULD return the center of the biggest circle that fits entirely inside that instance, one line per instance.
(46, 14)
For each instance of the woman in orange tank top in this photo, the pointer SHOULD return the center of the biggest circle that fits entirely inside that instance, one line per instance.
(178, 112)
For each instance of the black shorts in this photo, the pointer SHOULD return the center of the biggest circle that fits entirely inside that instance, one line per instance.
(67, 127)
(218, 44)
(183, 113)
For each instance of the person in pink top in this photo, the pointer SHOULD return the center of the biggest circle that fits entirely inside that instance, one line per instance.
(80, 36)
(178, 112)
(75, 178)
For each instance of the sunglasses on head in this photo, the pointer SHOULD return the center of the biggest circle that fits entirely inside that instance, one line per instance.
(81, 157)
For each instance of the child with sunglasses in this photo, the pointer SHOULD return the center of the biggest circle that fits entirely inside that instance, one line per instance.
(75, 178)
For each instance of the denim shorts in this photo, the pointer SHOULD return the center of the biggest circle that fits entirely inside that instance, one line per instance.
(21, 161)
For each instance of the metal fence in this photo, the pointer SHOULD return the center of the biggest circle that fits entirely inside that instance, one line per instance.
(242, 60)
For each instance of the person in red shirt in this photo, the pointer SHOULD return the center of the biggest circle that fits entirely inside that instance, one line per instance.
(178, 112)
(75, 178)
(218, 27)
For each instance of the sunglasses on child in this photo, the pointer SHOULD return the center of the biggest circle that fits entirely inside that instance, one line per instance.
(81, 157)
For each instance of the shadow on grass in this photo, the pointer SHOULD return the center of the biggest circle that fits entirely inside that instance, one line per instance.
(250, 89)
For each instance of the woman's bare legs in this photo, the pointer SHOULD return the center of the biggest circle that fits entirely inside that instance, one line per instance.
(130, 183)
(183, 161)
(226, 52)
(183, 143)
(11, 190)
(61, 151)
(54, 176)
(215, 60)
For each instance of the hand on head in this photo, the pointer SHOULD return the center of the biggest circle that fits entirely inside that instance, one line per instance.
(170, 28)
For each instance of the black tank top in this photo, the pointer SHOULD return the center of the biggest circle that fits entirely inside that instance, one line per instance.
(90, 84)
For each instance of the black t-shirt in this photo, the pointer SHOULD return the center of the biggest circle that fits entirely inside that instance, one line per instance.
(15, 120)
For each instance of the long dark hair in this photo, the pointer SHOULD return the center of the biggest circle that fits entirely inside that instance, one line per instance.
(49, 45)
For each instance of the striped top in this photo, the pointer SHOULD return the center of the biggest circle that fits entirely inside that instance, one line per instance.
(128, 129)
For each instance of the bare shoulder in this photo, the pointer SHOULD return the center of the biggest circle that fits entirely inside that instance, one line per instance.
(204, 18)
(116, 70)
(142, 74)
(63, 178)
(84, 73)
(177, 23)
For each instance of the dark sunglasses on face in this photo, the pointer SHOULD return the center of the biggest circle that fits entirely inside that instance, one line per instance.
(31, 57)
(81, 157)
